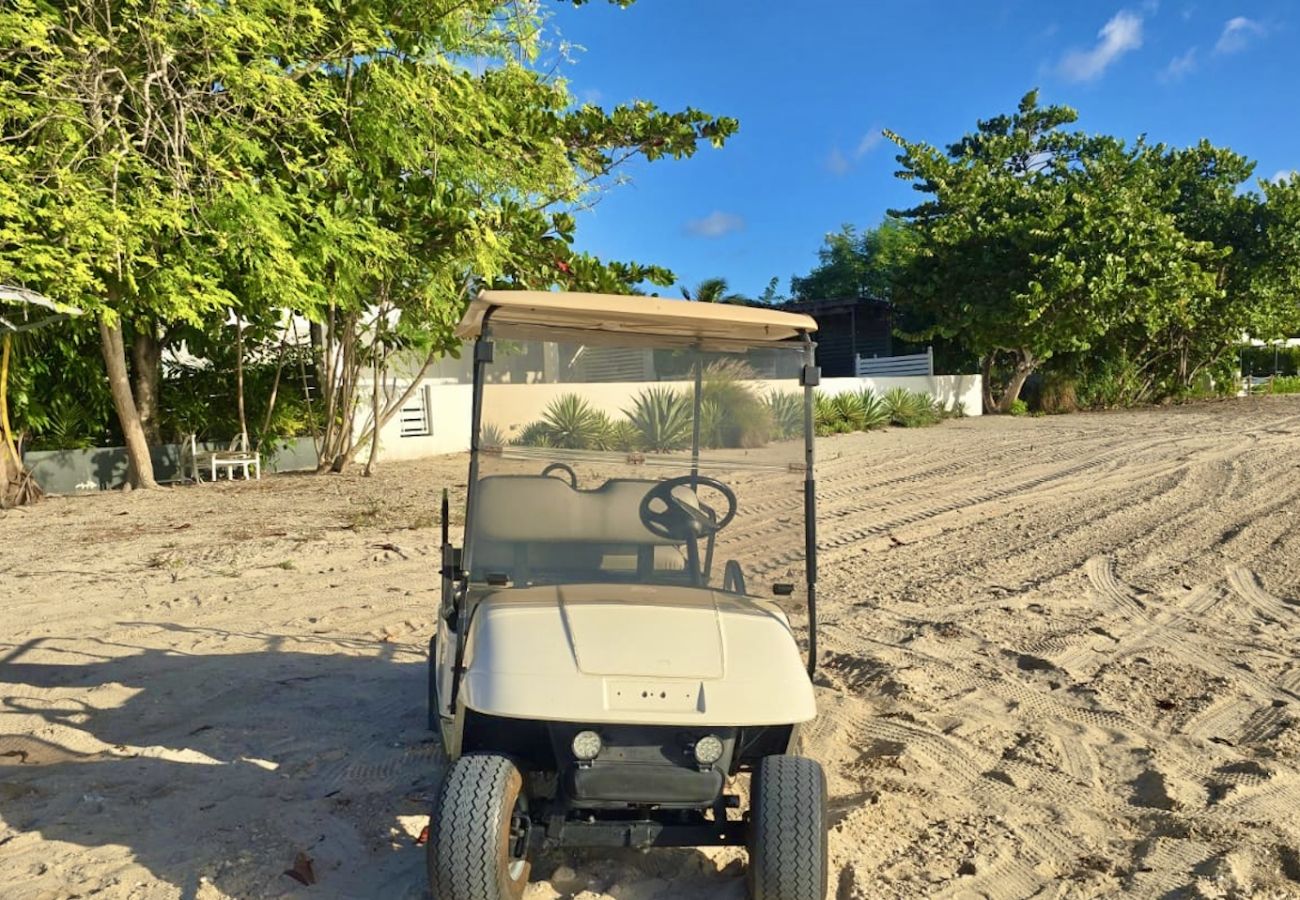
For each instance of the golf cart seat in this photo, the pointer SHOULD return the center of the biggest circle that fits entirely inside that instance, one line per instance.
(529, 525)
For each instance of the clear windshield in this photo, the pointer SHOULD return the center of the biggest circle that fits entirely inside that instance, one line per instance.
(587, 470)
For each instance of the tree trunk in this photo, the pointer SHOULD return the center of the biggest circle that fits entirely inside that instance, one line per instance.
(139, 465)
(1025, 365)
(239, 381)
(986, 373)
(374, 410)
(146, 372)
(11, 465)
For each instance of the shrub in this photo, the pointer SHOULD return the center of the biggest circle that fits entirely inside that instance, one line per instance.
(491, 436)
(574, 424)
(534, 434)
(874, 412)
(624, 436)
(1019, 408)
(711, 424)
(743, 419)
(848, 410)
(1058, 394)
(662, 419)
(1285, 384)
(786, 410)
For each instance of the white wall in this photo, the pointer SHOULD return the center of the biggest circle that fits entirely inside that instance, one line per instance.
(509, 406)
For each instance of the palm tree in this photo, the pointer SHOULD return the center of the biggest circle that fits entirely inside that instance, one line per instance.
(712, 290)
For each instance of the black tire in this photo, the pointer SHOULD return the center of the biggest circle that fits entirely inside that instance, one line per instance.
(788, 834)
(469, 835)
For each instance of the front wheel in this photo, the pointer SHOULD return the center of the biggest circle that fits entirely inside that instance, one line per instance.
(788, 843)
(478, 836)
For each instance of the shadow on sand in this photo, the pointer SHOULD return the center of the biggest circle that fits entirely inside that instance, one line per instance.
(215, 770)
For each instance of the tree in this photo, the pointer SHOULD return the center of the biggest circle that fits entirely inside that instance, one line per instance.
(858, 265)
(713, 290)
(1038, 241)
(163, 165)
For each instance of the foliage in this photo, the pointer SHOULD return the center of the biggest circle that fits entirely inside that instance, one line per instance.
(875, 414)
(713, 290)
(786, 411)
(1019, 408)
(491, 436)
(338, 160)
(624, 436)
(1283, 384)
(572, 423)
(909, 409)
(662, 419)
(858, 265)
(847, 407)
(534, 434)
(740, 417)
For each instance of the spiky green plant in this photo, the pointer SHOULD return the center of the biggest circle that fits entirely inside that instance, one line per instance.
(744, 420)
(848, 409)
(491, 436)
(824, 415)
(874, 412)
(901, 405)
(574, 424)
(662, 419)
(624, 436)
(786, 411)
(534, 434)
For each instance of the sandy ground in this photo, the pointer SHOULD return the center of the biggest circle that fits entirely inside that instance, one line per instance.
(1059, 660)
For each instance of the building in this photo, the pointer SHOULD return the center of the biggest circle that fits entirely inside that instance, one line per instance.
(848, 329)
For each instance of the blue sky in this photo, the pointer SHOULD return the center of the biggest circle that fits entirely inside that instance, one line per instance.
(813, 83)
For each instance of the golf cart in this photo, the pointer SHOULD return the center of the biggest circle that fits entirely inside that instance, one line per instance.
(613, 645)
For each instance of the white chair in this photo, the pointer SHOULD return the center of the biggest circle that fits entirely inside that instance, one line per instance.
(239, 456)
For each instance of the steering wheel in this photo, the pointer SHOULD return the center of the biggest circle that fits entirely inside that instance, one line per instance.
(561, 467)
(683, 516)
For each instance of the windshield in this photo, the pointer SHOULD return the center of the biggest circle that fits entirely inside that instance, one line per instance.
(588, 471)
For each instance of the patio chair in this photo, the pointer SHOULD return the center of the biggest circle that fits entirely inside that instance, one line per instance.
(238, 456)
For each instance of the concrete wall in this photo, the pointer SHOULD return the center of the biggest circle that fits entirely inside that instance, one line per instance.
(510, 406)
(104, 468)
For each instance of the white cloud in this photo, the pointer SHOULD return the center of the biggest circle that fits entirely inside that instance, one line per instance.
(715, 225)
(870, 141)
(592, 96)
(1237, 34)
(1180, 66)
(1122, 34)
(837, 163)
(1282, 175)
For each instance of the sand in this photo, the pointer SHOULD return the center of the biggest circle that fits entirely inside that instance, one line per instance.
(1058, 660)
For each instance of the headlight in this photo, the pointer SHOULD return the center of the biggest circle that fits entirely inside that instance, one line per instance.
(708, 750)
(586, 745)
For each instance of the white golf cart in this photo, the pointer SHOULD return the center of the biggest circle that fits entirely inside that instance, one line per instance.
(613, 647)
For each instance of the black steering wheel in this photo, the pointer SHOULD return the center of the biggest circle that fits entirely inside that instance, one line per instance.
(561, 467)
(672, 509)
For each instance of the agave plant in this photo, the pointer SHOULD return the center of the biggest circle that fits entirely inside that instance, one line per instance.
(786, 411)
(534, 434)
(744, 420)
(824, 415)
(491, 436)
(901, 405)
(874, 412)
(662, 418)
(713, 424)
(848, 410)
(574, 424)
(624, 436)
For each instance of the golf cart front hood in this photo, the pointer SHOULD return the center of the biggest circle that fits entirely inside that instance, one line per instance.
(635, 653)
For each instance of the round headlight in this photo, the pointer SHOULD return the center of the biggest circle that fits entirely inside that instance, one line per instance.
(586, 745)
(708, 750)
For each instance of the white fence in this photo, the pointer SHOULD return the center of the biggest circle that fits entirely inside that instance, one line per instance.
(894, 366)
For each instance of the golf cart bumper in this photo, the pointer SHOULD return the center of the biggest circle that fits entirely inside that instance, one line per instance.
(629, 784)
(641, 765)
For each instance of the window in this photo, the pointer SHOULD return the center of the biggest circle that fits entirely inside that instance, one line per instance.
(415, 418)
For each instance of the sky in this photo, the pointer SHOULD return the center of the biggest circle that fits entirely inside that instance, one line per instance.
(813, 84)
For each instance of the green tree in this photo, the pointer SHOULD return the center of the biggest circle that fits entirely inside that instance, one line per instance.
(166, 165)
(1037, 241)
(713, 290)
(858, 265)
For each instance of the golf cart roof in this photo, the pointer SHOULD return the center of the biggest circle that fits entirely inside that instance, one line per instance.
(533, 313)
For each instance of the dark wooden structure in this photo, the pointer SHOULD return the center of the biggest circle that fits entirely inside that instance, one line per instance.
(846, 329)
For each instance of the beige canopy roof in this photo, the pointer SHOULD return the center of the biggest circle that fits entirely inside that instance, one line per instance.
(528, 313)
